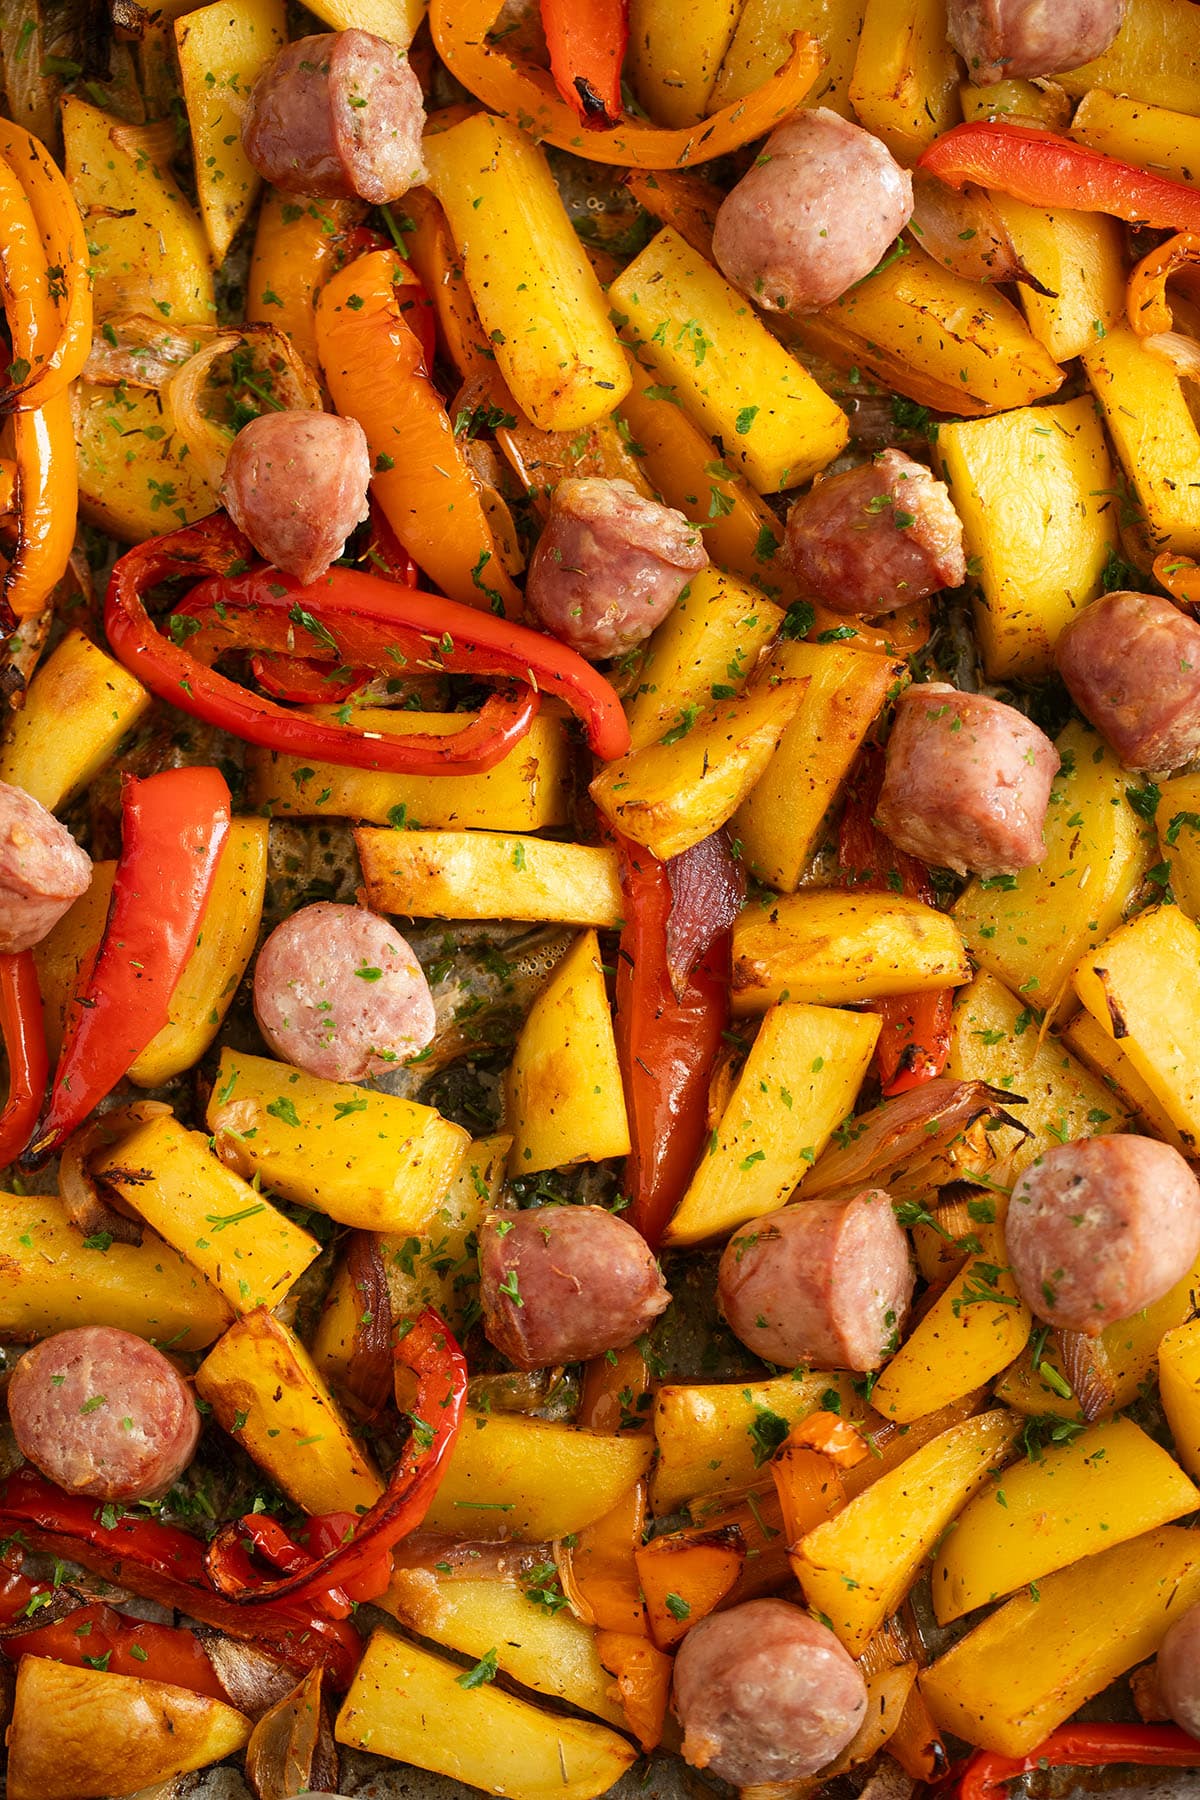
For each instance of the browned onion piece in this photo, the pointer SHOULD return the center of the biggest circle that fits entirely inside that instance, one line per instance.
(297, 389)
(924, 1139)
(1183, 353)
(708, 886)
(59, 1603)
(451, 1558)
(1084, 1362)
(965, 233)
(90, 1208)
(368, 1380)
(253, 1679)
(291, 1749)
(140, 351)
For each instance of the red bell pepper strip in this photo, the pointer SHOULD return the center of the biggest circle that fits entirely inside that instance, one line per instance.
(1044, 169)
(325, 1532)
(1082, 1747)
(914, 1043)
(95, 1636)
(586, 40)
(430, 1352)
(173, 829)
(165, 1564)
(666, 1043)
(353, 620)
(24, 1031)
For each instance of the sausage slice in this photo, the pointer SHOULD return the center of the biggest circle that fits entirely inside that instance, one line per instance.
(814, 215)
(1131, 663)
(337, 115)
(824, 1282)
(1099, 1228)
(967, 782)
(339, 993)
(296, 483)
(100, 1412)
(765, 1694)
(42, 870)
(609, 565)
(1000, 39)
(562, 1283)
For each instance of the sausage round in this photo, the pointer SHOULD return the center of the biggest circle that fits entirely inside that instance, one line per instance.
(42, 870)
(338, 114)
(1099, 1228)
(561, 1283)
(101, 1412)
(877, 537)
(296, 484)
(1178, 1670)
(764, 1693)
(813, 216)
(609, 565)
(339, 993)
(1131, 663)
(966, 783)
(824, 1282)
(1002, 39)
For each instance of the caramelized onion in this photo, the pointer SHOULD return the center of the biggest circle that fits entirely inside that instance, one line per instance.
(291, 1749)
(1183, 353)
(208, 442)
(90, 1208)
(1085, 1363)
(920, 1140)
(708, 886)
(368, 1379)
(965, 233)
(253, 1679)
(142, 352)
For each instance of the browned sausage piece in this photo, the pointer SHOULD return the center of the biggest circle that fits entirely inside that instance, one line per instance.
(1131, 663)
(42, 870)
(1099, 1228)
(877, 537)
(967, 782)
(338, 115)
(296, 484)
(338, 993)
(764, 1693)
(1002, 39)
(824, 1282)
(101, 1412)
(609, 565)
(1178, 1670)
(814, 215)
(561, 1283)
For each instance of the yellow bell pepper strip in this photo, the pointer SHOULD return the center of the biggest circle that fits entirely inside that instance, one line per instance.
(527, 95)
(1044, 169)
(68, 274)
(375, 369)
(298, 245)
(1146, 303)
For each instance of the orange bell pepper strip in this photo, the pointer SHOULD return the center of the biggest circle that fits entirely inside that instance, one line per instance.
(68, 275)
(42, 439)
(298, 245)
(1180, 575)
(809, 1488)
(1146, 303)
(835, 1437)
(586, 40)
(518, 90)
(685, 1576)
(615, 1393)
(375, 370)
(916, 1743)
(687, 203)
(643, 1682)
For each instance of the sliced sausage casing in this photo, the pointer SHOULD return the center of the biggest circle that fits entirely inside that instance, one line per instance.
(1100, 1228)
(1131, 663)
(42, 870)
(814, 215)
(338, 115)
(296, 483)
(827, 1283)
(339, 993)
(609, 566)
(967, 782)
(875, 538)
(1000, 40)
(102, 1413)
(560, 1284)
(765, 1694)
(1178, 1670)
